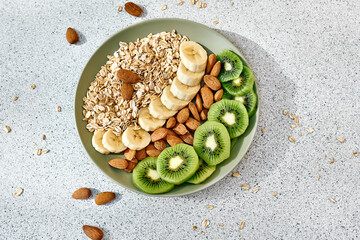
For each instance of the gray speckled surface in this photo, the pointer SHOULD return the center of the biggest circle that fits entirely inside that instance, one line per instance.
(305, 55)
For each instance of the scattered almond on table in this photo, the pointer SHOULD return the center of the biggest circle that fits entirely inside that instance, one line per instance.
(71, 36)
(93, 233)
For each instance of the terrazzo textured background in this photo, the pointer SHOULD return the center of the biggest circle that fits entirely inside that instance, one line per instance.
(306, 58)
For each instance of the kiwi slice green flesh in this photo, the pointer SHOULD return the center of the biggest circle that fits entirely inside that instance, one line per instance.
(233, 142)
(242, 84)
(232, 114)
(178, 163)
(212, 142)
(204, 172)
(146, 178)
(249, 100)
(231, 65)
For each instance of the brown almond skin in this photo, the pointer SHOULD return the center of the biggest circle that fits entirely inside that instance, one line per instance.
(198, 103)
(82, 193)
(134, 160)
(71, 36)
(129, 154)
(180, 129)
(218, 95)
(171, 122)
(171, 132)
(141, 154)
(203, 114)
(212, 82)
(152, 151)
(127, 76)
(130, 167)
(216, 69)
(207, 96)
(104, 197)
(210, 63)
(92, 232)
(118, 163)
(127, 91)
(133, 9)
(160, 145)
(188, 138)
(173, 140)
(192, 124)
(158, 134)
(183, 115)
(194, 111)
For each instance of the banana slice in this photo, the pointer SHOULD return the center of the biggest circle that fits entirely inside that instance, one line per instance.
(158, 110)
(193, 56)
(182, 91)
(97, 142)
(135, 139)
(187, 77)
(148, 122)
(112, 142)
(172, 102)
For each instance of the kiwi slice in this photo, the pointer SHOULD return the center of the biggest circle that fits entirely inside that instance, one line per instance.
(204, 171)
(232, 114)
(233, 142)
(212, 142)
(178, 163)
(249, 99)
(231, 65)
(242, 84)
(146, 178)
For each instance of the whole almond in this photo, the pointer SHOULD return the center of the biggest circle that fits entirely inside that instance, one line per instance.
(171, 122)
(207, 96)
(104, 197)
(212, 82)
(82, 193)
(210, 62)
(129, 154)
(218, 95)
(216, 69)
(158, 134)
(118, 163)
(171, 132)
(198, 103)
(127, 76)
(134, 160)
(92, 232)
(72, 36)
(183, 115)
(194, 111)
(127, 91)
(152, 151)
(160, 145)
(173, 140)
(187, 138)
(192, 124)
(141, 154)
(180, 129)
(203, 114)
(130, 167)
(133, 9)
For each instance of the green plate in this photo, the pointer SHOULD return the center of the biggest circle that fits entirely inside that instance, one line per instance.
(212, 42)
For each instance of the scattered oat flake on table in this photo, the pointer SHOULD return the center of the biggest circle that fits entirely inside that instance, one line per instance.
(300, 134)
(285, 112)
(192, 2)
(291, 139)
(205, 223)
(119, 8)
(356, 154)
(332, 161)
(210, 207)
(232, 4)
(263, 130)
(204, 5)
(215, 22)
(38, 151)
(198, 4)
(181, 3)
(310, 130)
(18, 192)
(245, 186)
(43, 137)
(296, 119)
(293, 126)
(202, 232)
(275, 194)
(221, 224)
(16, 98)
(236, 174)
(319, 177)
(33, 86)
(340, 139)
(255, 190)
(58, 108)
(163, 7)
(241, 227)
(43, 151)
(332, 200)
(194, 227)
(7, 128)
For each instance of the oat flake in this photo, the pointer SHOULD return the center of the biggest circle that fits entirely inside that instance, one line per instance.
(18, 192)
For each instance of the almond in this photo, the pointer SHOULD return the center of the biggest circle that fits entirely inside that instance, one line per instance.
(218, 95)
(104, 197)
(198, 103)
(152, 151)
(127, 91)
(171, 122)
(210, 62)
(82, 193)
(141, 154)
(160, 145)
(92, 232)
(207, 96)
(134, 160)
(130, 167)
(127, 76)
(192, 124)
(173, 140)
(183, 115)
(133, 9)
(180, 129)
(216, 69)
(194, 111)
(72, 36)
(171, 132)
(158, 134)
(129, 154)
(203, 114)
(212, 82)
(118, 163)
(188, 138)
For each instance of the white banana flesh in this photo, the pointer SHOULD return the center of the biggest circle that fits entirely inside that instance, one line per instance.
(148, 122)
(187, 77)
(97, 142)
(135, 139)
(193, 56)
(112, 142)
(172, 102)
(182, 91)
(158, 110)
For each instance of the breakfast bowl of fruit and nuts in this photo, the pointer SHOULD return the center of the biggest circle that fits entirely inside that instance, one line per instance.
(167, 107)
